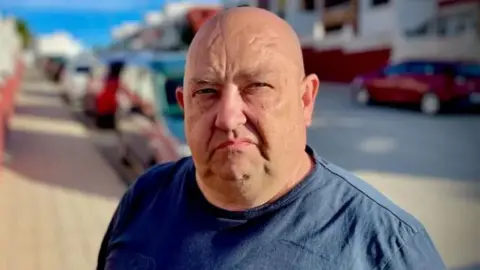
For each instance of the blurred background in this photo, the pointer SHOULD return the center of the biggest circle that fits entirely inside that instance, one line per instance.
(87, 104)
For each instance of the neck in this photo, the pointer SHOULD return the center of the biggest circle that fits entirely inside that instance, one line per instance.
(243, 195)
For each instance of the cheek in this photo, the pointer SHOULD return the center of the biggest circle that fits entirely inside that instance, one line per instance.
(197, 128)
(275, 119)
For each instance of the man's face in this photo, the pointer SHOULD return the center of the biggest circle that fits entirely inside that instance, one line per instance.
(244, 105)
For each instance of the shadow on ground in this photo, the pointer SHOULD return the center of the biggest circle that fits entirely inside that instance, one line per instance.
(47, 145)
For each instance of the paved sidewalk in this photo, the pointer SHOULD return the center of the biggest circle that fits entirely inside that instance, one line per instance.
(57, 194)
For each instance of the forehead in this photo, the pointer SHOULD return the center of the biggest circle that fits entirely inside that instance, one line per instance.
(247, 51)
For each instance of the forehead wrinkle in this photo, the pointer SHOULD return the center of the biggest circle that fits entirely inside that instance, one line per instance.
(204, 60)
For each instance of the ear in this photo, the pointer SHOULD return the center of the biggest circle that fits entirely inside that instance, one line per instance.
(310, 87)
(179, 95)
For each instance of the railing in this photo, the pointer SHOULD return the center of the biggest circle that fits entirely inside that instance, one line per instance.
(466, 47)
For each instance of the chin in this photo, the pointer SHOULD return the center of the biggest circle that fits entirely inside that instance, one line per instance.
(239, 170)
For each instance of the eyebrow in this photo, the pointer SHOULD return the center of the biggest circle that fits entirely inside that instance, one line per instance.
(246, 74)
(202, 81)
(254, 73)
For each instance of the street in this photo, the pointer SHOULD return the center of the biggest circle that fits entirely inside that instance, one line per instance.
(395, 140)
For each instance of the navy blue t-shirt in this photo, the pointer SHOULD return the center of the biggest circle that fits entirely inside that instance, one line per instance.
(330, 220)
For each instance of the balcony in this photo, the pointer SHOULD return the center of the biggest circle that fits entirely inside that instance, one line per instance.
(464, 48)
(453, 35)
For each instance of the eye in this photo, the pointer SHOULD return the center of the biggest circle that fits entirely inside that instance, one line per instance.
(205, 91)
(260, 85)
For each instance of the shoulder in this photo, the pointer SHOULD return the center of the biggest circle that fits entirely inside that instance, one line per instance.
(159, 177)
(367, 200)
(150, 185)
(367, 227)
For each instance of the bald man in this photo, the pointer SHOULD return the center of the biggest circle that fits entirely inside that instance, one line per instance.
(254, 195)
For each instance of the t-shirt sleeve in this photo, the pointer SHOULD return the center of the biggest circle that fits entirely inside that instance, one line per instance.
(131, 203)
(418, 253)
(112, 226)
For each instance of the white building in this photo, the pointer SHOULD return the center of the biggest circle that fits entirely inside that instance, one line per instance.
(161, 30)
(124, 30)
(153, 18)
(60, 44)
(10, 47)
(342, 38)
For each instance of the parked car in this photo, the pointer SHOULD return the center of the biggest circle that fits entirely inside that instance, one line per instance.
(150, 122)
(76, 78)
(431, 85)
(54, 66)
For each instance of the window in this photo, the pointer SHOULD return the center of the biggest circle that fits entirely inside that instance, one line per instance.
(309, 5)
(442, 27)
(419, 31)
(461, 26)
(332, 3)
(264, 4)
(379, 2)
(281, 8)
(333, 28)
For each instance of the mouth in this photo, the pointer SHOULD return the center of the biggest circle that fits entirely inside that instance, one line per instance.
(234, 144)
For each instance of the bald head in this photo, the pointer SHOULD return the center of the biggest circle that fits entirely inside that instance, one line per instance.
(247, 32)
(247, 104)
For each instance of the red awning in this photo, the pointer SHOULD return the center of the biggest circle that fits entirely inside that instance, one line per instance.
(197, 16)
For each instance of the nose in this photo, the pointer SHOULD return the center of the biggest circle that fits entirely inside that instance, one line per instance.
(230, 113)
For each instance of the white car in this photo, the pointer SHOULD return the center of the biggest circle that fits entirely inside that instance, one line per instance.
(150, 124)
(76, 78)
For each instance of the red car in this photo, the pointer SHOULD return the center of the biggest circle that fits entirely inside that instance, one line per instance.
(430, 85)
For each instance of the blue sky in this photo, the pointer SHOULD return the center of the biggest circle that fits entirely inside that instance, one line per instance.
(88, 20)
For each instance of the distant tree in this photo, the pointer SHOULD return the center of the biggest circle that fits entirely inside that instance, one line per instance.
(24, 31)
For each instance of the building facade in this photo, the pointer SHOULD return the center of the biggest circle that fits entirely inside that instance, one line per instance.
(170, 30)
(344, 38)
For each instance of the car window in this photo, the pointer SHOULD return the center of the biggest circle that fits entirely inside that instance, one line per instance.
(470, 70)
(82, 70)
(394, 70)
(422, 68)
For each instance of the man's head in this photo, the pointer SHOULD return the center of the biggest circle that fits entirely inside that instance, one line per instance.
(246, 98)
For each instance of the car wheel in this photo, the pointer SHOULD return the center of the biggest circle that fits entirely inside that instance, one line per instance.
(430, 104)
(125, 162)
(123, 154)
(362, 96)
(107, 121)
